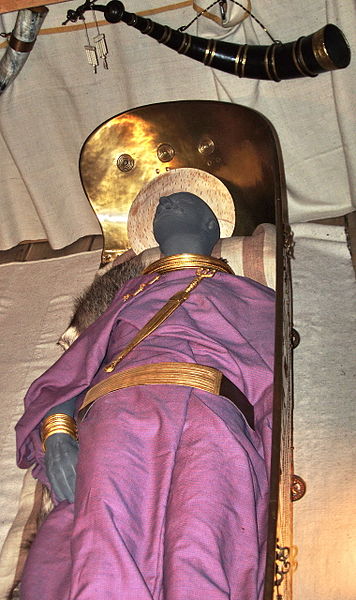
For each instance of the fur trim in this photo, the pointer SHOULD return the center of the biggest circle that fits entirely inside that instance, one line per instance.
(98, 296)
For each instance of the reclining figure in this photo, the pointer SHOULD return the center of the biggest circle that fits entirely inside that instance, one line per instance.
(162, 493)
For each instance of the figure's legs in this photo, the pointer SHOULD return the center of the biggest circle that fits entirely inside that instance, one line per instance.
(49, 564)
(168, 504)
(127, 451)
(212, 548)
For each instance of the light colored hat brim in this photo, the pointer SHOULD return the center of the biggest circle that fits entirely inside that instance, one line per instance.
(205, 185)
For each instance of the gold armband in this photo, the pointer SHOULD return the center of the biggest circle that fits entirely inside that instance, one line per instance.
(58, 423)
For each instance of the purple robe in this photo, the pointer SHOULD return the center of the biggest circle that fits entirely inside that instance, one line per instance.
(172, 483)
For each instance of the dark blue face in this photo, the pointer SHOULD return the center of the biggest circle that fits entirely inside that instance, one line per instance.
(183, 213)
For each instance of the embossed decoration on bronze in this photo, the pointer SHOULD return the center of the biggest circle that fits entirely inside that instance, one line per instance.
(125, 163)
(165, 152)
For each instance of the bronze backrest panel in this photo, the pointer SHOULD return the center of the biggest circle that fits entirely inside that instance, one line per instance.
(232, 142)
(240, 147)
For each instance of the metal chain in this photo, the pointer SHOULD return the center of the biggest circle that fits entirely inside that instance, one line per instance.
(86, 30)
(257, 21)
(184, 27)
(95, 21)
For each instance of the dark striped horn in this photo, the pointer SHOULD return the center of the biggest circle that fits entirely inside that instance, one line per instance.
(324, 50)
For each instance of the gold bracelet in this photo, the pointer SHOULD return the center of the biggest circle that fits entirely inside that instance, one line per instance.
(58, 423)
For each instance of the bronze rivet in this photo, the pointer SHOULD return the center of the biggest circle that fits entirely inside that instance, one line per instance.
(125, 163)
(107, 257)
(298, 488)
(165, 152)
(295, 338)
(206, 146)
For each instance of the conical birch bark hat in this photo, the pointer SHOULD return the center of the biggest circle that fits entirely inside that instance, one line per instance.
(201, 183)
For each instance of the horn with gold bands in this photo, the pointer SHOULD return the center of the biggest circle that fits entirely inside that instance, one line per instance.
(325, 50)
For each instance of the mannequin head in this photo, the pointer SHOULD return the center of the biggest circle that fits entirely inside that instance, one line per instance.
(184, 223)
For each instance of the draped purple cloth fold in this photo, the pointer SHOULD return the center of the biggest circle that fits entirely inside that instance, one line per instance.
(172, 484)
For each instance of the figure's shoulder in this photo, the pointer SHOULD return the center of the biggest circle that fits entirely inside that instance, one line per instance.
(244, 286)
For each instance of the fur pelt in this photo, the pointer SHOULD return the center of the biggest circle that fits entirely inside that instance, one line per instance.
(97, 297)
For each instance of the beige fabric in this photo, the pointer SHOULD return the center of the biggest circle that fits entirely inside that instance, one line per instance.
(20, 535)
(324, 416)
(36, 302)
(252, 256)
(57, 101)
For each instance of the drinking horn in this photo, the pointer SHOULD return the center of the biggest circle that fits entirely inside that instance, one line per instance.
(325, 50)
(28, 23)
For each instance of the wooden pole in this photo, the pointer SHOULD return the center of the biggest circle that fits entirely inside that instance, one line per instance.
(14, 5)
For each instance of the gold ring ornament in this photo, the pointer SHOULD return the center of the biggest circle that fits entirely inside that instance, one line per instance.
(58, 423)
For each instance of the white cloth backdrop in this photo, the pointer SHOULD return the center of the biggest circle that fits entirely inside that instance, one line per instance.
(56, 102)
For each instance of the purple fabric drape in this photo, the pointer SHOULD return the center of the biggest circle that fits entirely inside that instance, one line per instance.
(172, 484)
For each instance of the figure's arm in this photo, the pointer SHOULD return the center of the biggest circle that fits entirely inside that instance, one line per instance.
(61, 452)
(67, 408)
(66, 379)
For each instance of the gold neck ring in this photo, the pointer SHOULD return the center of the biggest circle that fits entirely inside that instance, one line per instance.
(176, 262)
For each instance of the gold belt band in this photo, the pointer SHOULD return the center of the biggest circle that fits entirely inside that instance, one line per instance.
(204, 378)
